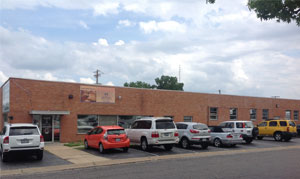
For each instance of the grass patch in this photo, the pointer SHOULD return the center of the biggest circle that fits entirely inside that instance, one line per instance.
(74, 144)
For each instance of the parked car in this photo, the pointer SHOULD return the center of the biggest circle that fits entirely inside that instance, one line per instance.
(193, 133)
(220, 138)
(107, 137)
(153, 131)
(280, 129)
(21, 137)
(246, 128)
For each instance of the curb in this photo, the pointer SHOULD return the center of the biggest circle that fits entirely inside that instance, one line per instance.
(38, 170)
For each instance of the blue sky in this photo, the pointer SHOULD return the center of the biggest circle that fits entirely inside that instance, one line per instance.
(218, 46)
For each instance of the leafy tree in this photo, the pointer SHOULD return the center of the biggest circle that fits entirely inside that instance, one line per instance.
(139, 84)
(281, 10)
(168, 82)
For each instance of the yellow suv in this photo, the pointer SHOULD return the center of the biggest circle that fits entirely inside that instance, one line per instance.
(280, 129)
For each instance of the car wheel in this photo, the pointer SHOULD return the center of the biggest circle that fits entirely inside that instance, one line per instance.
(86, 145)
(125, 149)
(144, 144)
(101, 148)
(40, 155)
(217, 143)
(278, 136)
(260, 137)
(185, 143)
(204, 146)
(248, 141)
(168, 147)
(4, 156)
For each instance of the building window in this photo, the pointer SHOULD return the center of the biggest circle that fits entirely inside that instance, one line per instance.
(296, 115)
(86, 122)
(288, 114)
(233, 113)
(213, 113)
(187, 118)
(265, 114)
(253, 114)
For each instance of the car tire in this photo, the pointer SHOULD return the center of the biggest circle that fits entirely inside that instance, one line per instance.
(217, 143)
(86, 145)
(101, 148)
(125, 149)
(4, 156)
(260, 137)
(40, 155)
(248, 141)
(185, 143)
(168, 147)
(204, 146)
(278, 136)
(144, 144)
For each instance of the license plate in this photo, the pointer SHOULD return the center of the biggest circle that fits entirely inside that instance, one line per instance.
(24, 141)
(166, 134)
(118, 140)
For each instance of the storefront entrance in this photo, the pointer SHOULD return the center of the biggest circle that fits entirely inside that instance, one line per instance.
(47, 127)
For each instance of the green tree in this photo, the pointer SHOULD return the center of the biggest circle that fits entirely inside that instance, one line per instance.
(139, 84)
(281, 10)
(168, 82)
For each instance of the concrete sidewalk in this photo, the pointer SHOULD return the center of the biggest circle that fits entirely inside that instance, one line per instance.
(72, 154)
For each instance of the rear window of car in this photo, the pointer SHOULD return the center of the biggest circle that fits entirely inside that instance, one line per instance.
(115, 131)
(165, 124)
(239, 125)
(15, 131)
(200, 127)
(292, 123)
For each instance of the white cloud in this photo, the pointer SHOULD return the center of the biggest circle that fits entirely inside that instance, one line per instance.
(3, 77)
(120, 43)
(166, 26)
(110, 83)
(106, 8)
(102, 42)
(126, 23)
(83, 24)
(87, 80)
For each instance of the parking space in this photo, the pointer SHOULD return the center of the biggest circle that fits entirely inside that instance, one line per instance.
(135, 151)
(21, 161)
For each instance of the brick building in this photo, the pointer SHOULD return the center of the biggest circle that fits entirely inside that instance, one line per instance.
(66, 111)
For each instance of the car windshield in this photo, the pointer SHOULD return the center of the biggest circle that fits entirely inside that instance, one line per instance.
(200, 127)
(292, 123)
(14, 131)
(115, 132)
(165, 124)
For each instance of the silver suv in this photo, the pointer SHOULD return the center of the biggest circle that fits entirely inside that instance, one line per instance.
(153, 131)
(246, 128)
(193, 133)
(21, 137)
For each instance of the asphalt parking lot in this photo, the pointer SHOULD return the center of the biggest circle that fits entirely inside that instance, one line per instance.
(135, 151)
(21, 161)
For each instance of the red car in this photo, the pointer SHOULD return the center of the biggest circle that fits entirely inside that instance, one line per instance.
(107, 137)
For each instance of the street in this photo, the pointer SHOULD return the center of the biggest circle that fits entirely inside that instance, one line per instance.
(282, 163)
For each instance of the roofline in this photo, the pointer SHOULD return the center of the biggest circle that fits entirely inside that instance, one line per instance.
(161, 90)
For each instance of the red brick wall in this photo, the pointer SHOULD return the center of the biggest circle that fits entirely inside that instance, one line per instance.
(29, 95)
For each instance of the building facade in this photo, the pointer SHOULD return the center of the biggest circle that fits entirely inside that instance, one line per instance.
(66, 111)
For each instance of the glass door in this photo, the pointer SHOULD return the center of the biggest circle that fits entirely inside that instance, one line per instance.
(47, 128)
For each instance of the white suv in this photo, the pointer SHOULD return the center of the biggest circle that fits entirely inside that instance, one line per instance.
(21, 137)
(245, 128)
(153, 131)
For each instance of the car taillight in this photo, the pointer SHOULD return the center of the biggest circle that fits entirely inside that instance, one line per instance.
(209, 131)
(229, 136)
(241, 136)
(176, 134)
(6, 140)
(194, 131)
(41, 138)
(288, 129)
(154, 135)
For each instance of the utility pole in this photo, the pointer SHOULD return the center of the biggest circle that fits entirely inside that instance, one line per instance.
(98, 74)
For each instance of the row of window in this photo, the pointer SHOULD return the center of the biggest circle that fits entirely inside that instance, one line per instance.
(213, 114)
